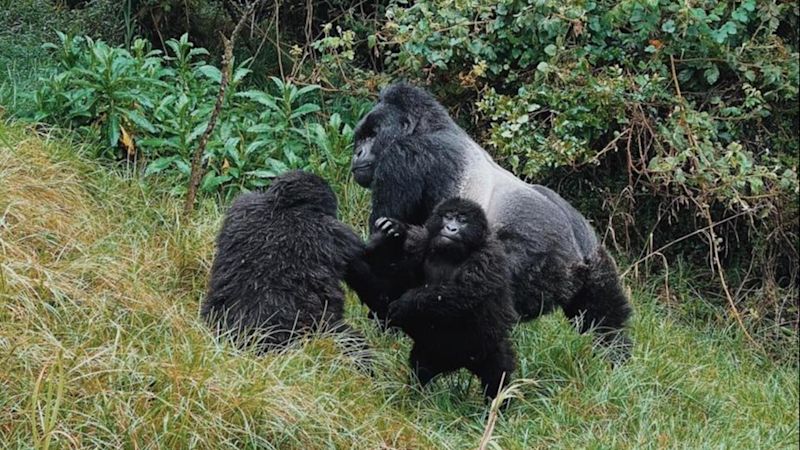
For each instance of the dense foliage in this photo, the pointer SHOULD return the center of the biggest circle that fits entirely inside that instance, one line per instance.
(701, 100)
(151, 107)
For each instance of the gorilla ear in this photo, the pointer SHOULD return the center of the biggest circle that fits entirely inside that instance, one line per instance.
(408, 125)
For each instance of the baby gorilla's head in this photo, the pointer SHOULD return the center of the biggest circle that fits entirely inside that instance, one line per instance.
(302, 189)
(457, 227)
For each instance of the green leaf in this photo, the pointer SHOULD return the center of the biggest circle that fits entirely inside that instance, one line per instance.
(712, 74)
(306, 89)
(211, 182)
(159, 165)
(113, 130)
(157, 143)
(304, 109)
(262, 173)
(260, 97)
(240, 73)
(260, 128)
(255, 145)
(210, 72)
(197, 131)
(183, 167)
(140, 121)
(668, 26)
(277, 165)
(551, 50)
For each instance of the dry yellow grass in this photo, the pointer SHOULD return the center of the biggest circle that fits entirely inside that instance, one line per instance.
(100, 344)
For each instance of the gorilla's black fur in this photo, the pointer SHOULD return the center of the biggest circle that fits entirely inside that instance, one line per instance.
(460, 313)
(412, 155)
(281, 255)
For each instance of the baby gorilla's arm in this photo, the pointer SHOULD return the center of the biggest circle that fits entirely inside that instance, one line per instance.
(482, 277)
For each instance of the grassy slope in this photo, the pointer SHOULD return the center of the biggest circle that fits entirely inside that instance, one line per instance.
(100, 345)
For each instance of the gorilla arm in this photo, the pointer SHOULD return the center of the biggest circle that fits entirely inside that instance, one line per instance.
(480, 278)
(393, 258)
(358, 274)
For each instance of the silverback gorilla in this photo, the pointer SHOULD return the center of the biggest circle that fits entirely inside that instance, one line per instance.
(281, 255)
(459, 311)
(412, 155)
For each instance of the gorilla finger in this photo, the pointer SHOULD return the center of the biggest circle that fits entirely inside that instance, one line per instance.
(380, 222)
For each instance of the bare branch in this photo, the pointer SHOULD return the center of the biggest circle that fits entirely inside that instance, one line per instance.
(197, 158)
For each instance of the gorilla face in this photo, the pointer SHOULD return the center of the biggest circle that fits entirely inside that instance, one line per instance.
(457, 227)
(374, 133)
(403, 110)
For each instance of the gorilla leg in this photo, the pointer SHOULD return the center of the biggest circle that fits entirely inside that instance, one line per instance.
(496, 369)
(542, 286)
(422, 368)
(602, 305)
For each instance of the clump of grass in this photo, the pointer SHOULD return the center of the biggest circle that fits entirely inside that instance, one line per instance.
(101, 346)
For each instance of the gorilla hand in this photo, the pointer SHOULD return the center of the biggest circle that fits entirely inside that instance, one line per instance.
(399, 310)
(392, 228)
(386, 242)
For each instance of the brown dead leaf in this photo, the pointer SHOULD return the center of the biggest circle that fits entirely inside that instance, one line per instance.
(127, 142)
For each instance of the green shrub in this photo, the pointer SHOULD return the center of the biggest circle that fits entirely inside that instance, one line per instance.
(152, 108)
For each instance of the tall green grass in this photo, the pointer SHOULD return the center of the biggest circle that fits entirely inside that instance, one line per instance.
(101, 346)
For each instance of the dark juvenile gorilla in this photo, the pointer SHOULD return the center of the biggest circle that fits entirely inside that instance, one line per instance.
(460, 313)
(412, 155)
(281, 255)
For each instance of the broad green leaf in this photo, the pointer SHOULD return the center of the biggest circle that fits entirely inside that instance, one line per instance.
(140, 121)
(211, 182)
(211, 73)
(303, 110)
(260, 97)
(113, 130)
(159, 164)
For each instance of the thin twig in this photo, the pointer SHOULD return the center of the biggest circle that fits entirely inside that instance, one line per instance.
(197, 159)
(682, 238)
(715, 254)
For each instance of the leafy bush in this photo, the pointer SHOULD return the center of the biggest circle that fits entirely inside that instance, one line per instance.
(25, 25)
(152, 108)
(556, 81)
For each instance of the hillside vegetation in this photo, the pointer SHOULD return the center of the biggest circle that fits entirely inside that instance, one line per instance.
(101, 346)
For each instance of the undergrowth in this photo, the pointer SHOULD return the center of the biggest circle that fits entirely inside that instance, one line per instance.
(101, 346)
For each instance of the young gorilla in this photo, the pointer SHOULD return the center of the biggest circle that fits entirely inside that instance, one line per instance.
(281, 255)
(460, 313)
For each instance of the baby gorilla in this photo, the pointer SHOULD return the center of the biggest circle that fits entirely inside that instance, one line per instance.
(460, 313)
(281, 255)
